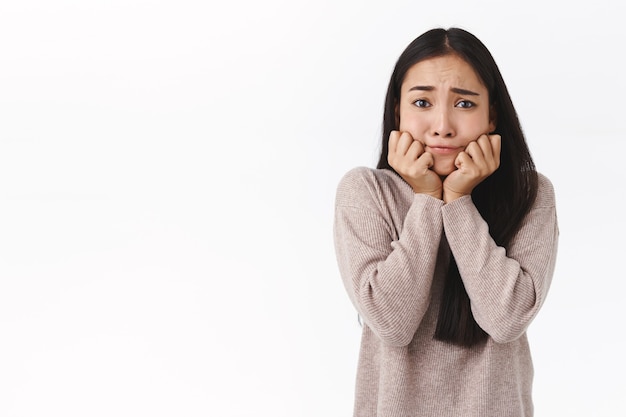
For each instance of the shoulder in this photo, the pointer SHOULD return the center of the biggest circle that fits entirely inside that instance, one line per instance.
(545, 192)
(362, 184)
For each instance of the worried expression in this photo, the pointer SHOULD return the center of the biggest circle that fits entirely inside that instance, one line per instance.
(445, 106)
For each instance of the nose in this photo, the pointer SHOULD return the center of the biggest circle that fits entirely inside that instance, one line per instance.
(442, 125)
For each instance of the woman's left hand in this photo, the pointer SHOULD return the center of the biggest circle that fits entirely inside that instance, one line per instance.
(479, 160)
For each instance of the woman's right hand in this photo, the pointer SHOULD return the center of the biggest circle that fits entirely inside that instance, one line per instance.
(408, 158)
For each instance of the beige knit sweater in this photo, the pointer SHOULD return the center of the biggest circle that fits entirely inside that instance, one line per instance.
(393, 248)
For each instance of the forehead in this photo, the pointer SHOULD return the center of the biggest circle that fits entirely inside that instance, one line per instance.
(448, 70)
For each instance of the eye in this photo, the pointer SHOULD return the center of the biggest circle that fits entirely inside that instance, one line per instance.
(421, 103)
(465, 104)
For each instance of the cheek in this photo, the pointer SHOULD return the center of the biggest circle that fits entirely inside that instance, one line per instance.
(410, 123)
(476, 126)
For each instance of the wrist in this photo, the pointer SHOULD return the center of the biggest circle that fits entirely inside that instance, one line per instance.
(450, 196)
(435, 194)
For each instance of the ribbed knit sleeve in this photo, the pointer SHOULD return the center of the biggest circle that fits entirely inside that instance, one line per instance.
(387, 272)
(506, 288)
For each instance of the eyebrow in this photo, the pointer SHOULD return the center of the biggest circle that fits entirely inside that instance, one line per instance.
(453, 89)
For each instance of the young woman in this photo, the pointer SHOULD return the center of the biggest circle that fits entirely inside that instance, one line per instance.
(447, 249)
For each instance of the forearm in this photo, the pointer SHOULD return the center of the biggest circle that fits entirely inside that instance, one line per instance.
(388, 278)
(506, 289)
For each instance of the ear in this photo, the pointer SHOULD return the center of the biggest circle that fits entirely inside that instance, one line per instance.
(493, 117)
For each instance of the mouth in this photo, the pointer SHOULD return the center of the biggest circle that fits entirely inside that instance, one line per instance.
(442, 150)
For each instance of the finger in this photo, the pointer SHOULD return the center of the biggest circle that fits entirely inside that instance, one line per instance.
(489, 161)
(475, 151)
(463, 161)
(496, 145)
(415, 150)
(426, 160)
(485, 146)
(404, 143)
(394, 136)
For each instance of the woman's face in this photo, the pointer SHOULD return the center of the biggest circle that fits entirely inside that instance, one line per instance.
(445, 106)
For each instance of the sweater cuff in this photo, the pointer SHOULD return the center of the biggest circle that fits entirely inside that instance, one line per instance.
(428, 200)
(459, 206)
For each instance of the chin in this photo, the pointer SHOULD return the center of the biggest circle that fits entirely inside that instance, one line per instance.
(444, 169)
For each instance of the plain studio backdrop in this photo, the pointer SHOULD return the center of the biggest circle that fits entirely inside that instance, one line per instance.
(167, 180)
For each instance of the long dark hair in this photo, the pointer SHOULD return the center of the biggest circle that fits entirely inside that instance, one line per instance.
(504, 198)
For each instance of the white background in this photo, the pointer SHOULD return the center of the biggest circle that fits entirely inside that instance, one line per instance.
(167, 176)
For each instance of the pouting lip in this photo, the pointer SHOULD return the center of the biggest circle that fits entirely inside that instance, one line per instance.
(443, 148)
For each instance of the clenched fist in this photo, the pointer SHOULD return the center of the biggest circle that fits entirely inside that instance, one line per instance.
(408, 158)
(480, 159)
